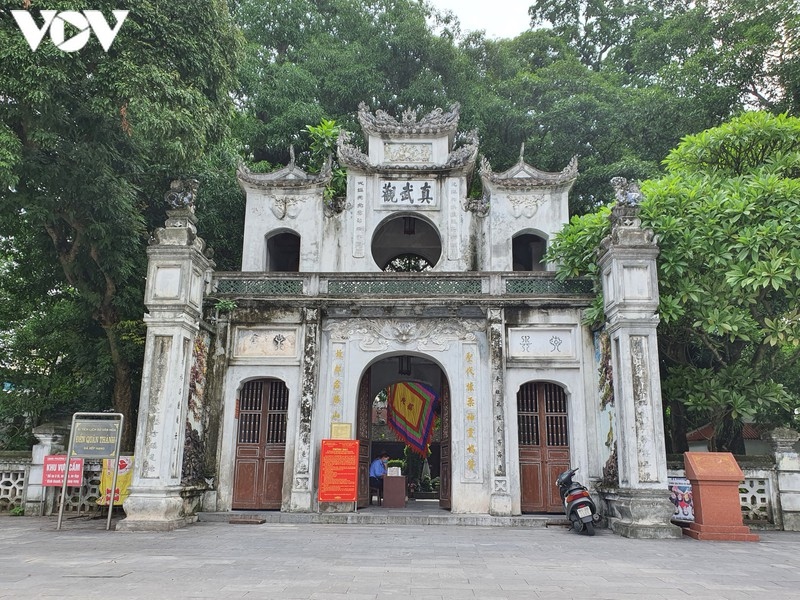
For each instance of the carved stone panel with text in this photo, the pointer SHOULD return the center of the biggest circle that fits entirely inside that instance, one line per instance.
(265, 342)
(550, 342)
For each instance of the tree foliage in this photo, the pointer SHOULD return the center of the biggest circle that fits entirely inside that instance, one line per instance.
(89, 141)
(727, 217)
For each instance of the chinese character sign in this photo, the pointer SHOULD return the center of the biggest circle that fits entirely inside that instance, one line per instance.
(419, 194)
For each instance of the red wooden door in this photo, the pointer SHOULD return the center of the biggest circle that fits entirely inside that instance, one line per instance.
(260, 445)
(445, 464)
(543, 445)
(363, 428)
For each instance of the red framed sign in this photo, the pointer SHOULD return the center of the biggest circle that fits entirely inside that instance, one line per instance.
(53, 471)
(338, 471)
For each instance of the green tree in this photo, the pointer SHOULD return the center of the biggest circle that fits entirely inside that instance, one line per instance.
(727, 217)
(741, 52)
(90, 140)
(382, 52)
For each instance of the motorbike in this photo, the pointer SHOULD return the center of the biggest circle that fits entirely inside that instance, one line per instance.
(578, 504)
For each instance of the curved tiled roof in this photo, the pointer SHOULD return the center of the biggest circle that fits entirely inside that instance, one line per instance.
(435, 122)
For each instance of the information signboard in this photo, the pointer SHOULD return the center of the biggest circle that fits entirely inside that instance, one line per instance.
(54, 467)
(94, 438)
(338, 471)
(93, 435)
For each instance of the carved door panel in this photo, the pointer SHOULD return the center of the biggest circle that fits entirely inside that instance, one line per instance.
(260, 445)
(543, 445)
(363, 434)
(445, 465)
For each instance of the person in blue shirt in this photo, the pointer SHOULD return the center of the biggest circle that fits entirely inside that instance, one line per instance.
(377, 471)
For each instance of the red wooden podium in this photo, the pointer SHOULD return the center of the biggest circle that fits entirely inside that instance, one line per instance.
(394, 491)
(715, 478)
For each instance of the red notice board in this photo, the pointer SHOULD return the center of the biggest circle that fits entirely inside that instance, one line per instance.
(338, 471)
(54, 467)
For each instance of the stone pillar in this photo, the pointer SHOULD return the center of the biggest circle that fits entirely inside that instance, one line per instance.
(301, 499)
(500, 502)
(640, 507)
(176, 278)
(787, 465)
(52, 440)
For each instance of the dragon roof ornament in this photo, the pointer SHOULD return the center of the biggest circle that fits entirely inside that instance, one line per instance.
(290, 176)
(435, 122)
(523, 175)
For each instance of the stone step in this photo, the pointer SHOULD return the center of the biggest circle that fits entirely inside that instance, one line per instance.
(385, 517)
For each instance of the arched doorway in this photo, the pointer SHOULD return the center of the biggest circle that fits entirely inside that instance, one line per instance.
(378, 376)
(260, 445)
(543, 445)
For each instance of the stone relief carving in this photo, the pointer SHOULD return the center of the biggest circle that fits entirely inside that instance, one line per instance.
(407, 153)
(265, 343)
(526, 205)
(478, 206)
(285, 206)
(378, 335)
(549, 342)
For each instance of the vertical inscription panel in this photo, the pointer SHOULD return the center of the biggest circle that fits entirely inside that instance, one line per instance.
(360, 218)
(162, 346)
(643, 404)
(453, 220)
(472, 446)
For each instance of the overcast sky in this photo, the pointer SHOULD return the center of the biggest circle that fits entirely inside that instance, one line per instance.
(499, 18)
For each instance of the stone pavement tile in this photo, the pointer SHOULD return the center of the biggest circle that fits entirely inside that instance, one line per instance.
(445, 593)
(335, 596)
(294, 562)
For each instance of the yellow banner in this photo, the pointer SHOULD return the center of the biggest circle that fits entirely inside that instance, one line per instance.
(124, 478)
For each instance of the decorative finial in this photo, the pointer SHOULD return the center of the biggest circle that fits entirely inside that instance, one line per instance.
(182, 193)
(291, 155)
(626, 192)
(522, 152)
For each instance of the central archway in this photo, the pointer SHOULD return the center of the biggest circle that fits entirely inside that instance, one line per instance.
(379, 375)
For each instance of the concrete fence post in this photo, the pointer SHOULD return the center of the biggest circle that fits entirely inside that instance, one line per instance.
(787, 466)
(52, 440)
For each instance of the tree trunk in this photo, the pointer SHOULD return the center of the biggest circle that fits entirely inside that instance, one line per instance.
(122, 395)
(677, 427)
(729, 437)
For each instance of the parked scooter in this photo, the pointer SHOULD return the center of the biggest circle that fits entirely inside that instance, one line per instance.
(578, 504)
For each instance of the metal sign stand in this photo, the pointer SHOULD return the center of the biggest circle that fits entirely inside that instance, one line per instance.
(93, 446)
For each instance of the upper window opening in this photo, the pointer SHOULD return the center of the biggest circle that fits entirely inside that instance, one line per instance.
(528, 252)
(283, 253)
(406, 243)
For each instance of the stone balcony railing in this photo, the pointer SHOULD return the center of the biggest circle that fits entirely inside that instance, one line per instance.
(334, 286)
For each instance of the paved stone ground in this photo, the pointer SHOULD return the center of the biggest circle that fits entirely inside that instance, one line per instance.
(376, 562)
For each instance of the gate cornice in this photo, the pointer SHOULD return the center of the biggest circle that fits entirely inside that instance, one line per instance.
(380, 335)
